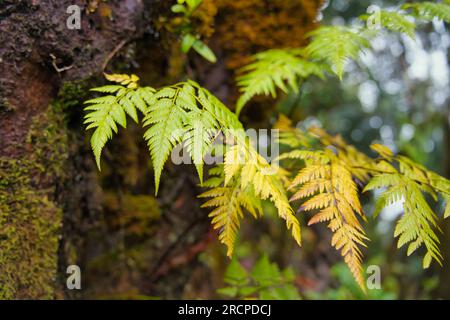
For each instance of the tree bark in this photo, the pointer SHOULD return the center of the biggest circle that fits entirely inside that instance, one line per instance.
(44, 177)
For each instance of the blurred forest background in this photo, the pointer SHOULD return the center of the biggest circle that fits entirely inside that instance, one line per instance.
(56, 209)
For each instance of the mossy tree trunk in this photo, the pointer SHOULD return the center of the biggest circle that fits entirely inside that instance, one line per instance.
(41, 172)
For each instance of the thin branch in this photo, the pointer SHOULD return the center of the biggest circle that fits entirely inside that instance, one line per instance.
(112, 54)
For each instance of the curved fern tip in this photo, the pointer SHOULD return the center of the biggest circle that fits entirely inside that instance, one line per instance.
(97, 161)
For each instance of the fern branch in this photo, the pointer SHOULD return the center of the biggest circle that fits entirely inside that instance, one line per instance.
(407, 184)
(429, 10)
(335, 45)
(272, 69)
(229, 203)
(396, 22)
(326, 185)
(106, 113)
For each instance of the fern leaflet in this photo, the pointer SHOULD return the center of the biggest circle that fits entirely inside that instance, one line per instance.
(396, 22)
(429, 10)
(273, 69)
(229, 202)
(408, 183)
(335, 45)
(107, 112)
(326, 186)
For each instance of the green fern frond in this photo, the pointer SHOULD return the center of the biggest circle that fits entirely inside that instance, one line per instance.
(408, 184)
(166, 120)
(186, 113)
(106, 113)
(418, 220)
(429, 10)
(396, 22)
(272, 69)
(335, 45)
(447, 206)
(201, 128)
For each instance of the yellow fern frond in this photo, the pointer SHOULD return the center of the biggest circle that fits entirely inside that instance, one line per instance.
(291, 136)
(124, 79)
(229, 202)
(360, 163)
(329, 189)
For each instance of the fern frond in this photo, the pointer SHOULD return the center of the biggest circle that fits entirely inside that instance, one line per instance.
(428, 10)
(328, 188)
(166, 120)
(272, 69)
(335, 45)
(396, 22)
(187, 113)
(108, 112)
(408, 184)
(290, 136)
(243, 162)
(131, 81)
(201, 128)
(229, 203)
(447, 206)
(360, 164)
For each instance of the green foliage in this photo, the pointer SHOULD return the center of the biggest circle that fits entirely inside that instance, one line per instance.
(429, 10)
(394, 21)
(349, 289)
(272, 69)
(188, 39)
(335, 45)
(186, 7)
(326, 183)
(331, 47)
(107, 112)
(409, 183)
(265, 281)
(185, 113)
(397, 22)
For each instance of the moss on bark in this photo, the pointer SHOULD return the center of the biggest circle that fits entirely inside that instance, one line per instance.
(30, 218)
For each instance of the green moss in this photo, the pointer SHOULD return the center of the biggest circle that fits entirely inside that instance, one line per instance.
(30, 218)
(71, 95)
